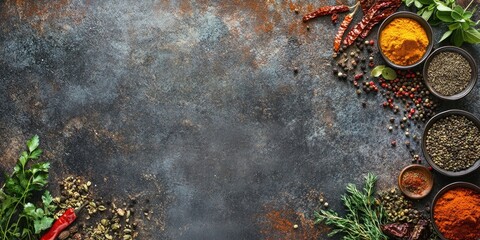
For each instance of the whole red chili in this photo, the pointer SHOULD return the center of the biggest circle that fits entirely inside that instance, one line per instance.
(334, 18)
(341, 30)
(326, 10)
(61, 223)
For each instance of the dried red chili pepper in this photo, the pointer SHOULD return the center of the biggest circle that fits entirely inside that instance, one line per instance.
(421, 230)
(334, 18)
(397, 230)
(377, 19)
(326, 10)
(366, 4)
(357, 29)
(61, 223)
(341, 30)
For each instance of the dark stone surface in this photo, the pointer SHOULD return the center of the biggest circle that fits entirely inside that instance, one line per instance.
(194, 107)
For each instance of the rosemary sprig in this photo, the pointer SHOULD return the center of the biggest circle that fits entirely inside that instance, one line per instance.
(363, 218)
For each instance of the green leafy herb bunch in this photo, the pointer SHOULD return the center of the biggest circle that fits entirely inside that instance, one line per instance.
(364, 216)
(19, 217)
(461, 28)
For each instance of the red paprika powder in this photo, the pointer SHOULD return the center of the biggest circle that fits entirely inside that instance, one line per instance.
(414, 181)
(457, 214)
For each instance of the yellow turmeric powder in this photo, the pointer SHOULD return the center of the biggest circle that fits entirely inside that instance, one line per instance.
(403, 41)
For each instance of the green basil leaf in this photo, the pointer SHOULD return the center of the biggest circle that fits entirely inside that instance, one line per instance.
(408, 3)
(418, 4)
(458, 38)
(465, 25)
(472, 36)
(377, 71)
(454, 26)
(456, 16)
(33, 143)
(443, 8)
(389, 74)
(427, 14)
(444, 16)
(432, 7)
(467, 14)
(426, 2)
(459, 10)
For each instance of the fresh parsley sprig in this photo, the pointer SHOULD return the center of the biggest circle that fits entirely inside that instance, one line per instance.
(363, 218)
(461, 28)
(19, 218)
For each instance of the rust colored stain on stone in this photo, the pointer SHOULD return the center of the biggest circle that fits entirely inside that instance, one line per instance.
(39, 13)
(280, 224)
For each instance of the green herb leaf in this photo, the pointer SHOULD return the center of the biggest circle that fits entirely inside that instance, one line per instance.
(418, 4)
(409, 3)
(472, 36)
(426, 2)
(454, 26)
(467, 14)
(458, 37)
(446, 35)
(377, 71)
(456, 16)
(36, 153)
(445, 16)
(427, 14)
(47, 202)
(363, 218)
(20, 219)
(442, 7)
(42, 224)
(389, 74)
(33, 143)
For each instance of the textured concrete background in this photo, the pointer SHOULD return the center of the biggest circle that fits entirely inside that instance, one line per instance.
(193, 107)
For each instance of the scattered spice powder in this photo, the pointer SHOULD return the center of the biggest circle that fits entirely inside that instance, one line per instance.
(414, 181)
(289, 224)
(449, 73)
(457, 214)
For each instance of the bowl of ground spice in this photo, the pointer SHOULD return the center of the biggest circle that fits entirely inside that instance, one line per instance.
(415, 181)
(451, 142)
(456, 212)
(450, 73)
(405, 40)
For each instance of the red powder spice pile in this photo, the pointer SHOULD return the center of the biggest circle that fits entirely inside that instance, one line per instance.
(457, 214)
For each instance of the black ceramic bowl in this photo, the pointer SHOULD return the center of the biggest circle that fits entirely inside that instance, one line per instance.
(440, 193)
(429, 124)
(470, 60)
(422, 22)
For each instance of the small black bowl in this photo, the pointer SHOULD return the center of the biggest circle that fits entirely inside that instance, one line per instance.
(440, 193)
(429, 124)
(470, 60)
(425, 26)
